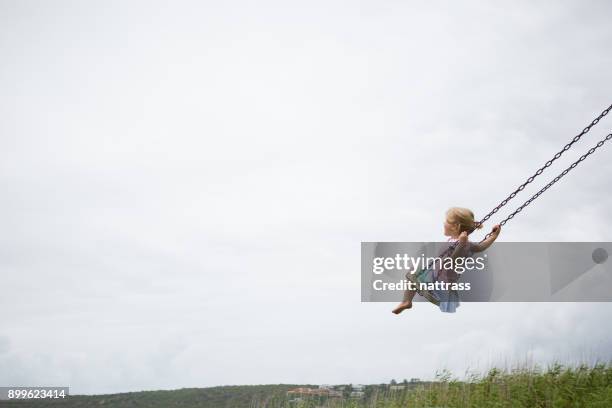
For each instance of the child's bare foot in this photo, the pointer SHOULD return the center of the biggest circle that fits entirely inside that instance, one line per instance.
(401, 307)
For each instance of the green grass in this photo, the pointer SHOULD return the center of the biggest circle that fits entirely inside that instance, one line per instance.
(554, 387)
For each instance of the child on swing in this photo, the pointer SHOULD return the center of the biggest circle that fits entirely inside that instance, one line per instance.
(458, 224)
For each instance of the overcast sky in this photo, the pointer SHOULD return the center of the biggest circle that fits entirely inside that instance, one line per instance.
(185, 185)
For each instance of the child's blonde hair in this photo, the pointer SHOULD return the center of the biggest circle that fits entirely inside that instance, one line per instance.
(463, 217)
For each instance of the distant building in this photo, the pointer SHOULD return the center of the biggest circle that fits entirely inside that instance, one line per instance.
(358, 387)
(296, 400)
(397, 387)
(415, 380)
(313, 392)
(357, 394)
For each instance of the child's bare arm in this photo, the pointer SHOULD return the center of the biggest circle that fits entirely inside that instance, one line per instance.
(482, 246)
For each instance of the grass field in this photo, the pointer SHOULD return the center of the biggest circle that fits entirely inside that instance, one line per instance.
(555, 386)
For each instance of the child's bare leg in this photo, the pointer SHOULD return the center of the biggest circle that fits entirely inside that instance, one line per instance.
(406, 302)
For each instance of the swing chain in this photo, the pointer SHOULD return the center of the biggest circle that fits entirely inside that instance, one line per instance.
(553, 181)
(547, 164)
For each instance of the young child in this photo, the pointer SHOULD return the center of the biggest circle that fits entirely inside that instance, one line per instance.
(458, 224)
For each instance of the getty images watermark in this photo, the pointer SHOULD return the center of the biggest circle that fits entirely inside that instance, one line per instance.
(506, 272)
(411, 265)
